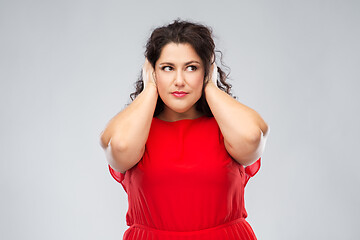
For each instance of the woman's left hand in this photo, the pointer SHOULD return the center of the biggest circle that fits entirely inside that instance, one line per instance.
(212, 77)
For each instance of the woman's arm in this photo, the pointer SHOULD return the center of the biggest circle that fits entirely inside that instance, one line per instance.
(245, 132)
(129, 130)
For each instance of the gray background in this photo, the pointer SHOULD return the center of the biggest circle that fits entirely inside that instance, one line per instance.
(67, 67)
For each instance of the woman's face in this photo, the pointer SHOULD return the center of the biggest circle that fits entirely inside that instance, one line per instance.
(179, 69)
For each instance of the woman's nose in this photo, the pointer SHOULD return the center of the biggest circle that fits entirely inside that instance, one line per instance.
(179, 81)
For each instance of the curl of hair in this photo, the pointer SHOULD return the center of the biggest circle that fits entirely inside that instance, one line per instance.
(199, 37)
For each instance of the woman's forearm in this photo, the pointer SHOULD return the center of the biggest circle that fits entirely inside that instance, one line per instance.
(242, 127)
(130, 128)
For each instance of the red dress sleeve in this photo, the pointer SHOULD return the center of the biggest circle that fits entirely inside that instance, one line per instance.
(250, 170)
(118, 176)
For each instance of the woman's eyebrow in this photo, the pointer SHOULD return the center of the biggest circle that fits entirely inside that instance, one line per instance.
(169, 63)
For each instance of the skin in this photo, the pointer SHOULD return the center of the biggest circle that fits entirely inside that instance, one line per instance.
(179, 68)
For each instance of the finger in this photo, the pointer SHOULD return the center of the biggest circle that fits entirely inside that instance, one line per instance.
(144, 76)
(214, 74)
(154, 77)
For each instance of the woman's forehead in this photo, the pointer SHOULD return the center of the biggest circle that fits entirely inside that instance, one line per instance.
(179, 53)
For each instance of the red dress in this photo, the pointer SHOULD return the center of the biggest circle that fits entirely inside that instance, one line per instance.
(186, 186)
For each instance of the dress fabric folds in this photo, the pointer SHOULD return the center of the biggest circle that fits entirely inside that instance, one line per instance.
(186, 186)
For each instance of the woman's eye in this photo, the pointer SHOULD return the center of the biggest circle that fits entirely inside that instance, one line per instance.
(193, 68)
(165, 68)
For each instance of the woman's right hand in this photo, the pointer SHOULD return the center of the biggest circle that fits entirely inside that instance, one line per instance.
(148, 74)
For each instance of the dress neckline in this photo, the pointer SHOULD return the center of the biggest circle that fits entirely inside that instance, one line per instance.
(181, 120)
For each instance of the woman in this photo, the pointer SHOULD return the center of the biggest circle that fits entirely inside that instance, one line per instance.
(184, 149)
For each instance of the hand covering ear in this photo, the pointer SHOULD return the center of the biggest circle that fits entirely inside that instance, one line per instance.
(148, 72)
(213, 72)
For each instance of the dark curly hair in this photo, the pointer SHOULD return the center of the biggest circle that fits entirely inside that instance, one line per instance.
(199, 37)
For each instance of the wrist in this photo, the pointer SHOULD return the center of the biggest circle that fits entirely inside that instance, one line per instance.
(151, 87)
(211, 84)
(210, 88)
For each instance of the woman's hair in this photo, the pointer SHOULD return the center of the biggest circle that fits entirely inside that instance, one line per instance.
(199, 37)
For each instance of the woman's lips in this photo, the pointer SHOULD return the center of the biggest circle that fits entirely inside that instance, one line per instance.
(179, 94)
